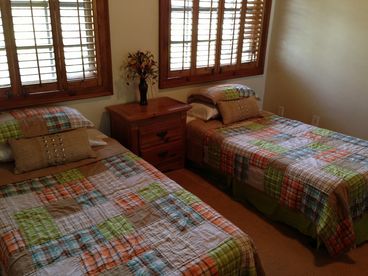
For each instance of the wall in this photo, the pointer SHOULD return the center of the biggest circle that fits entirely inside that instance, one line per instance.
(134, 25)
(318, 63)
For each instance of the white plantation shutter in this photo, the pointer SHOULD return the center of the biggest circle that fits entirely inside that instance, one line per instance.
(34, 41)
(211, 39)
(4, 67)
(77, 25)
(181, 34)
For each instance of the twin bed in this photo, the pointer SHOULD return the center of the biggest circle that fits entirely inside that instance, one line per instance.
(110, 214)
(311, 178)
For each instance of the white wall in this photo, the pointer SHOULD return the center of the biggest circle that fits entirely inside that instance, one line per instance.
(134, 25)
(318, 63)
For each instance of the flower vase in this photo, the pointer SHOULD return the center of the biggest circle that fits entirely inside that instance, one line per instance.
(143, 87)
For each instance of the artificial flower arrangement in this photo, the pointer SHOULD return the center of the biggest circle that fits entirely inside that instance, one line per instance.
(141, 65)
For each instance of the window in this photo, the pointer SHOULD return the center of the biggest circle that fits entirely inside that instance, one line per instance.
(53, 50)
(206, 40)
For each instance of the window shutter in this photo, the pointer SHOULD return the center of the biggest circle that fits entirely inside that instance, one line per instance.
(210, 40)
(207, 33)
(252, 30)
(53, 51)
(230, 32)
(78, 32)
(181, 34)
(34, 42)
(4, 67)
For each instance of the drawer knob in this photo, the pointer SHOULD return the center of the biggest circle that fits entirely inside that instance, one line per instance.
(162, 134)
(163, 154)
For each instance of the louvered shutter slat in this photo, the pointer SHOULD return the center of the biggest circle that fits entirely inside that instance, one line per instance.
(230, 32)
(33, 39)
(4, 67)
(77, 25)
(252, 30)
(207, 32)
(181, 34)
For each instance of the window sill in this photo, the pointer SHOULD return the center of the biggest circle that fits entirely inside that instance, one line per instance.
(48, 98)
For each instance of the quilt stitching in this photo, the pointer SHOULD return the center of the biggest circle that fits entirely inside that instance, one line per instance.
(65, 218)
(317, 162)
(36, 226)
(178, 213)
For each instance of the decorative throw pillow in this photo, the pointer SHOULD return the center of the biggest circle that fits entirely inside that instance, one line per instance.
(95, 138)
(203, 111)
(234, 111)
(36, 121)
(50, 150)
(223, 92)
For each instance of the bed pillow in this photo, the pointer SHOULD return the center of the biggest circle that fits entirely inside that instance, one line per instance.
(223, 92)
(234, 111)
(95, 137)
(36, 121)
(50, 150)
(203, 111)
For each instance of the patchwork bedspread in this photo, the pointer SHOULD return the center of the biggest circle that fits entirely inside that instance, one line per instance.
(320, 173)
(121, 217)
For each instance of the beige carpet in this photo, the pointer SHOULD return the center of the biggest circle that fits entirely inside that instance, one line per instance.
(283, 250)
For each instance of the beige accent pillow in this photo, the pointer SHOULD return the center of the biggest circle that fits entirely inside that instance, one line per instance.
(203, 111)
(50, 150)
(234, 111)
(95, 139)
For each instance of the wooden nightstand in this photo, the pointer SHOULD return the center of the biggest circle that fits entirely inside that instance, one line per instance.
(156, 132)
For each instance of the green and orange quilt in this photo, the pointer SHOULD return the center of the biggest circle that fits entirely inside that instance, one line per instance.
(320, 173)
(126, 218)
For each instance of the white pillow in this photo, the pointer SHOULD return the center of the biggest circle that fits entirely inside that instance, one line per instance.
(6, 154)
(203, 111)
(95, 137)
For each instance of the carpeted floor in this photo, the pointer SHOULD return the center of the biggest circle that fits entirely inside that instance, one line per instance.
(283, 250)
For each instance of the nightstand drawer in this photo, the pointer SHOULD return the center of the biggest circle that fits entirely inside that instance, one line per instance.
(164, 154)
(160, 133)
(155, 131)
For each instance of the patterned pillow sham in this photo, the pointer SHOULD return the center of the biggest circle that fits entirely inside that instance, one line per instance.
(223, 92)
(37, 121)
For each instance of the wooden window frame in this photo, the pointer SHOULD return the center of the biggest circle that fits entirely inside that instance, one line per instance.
(169, 79)
(20, 96)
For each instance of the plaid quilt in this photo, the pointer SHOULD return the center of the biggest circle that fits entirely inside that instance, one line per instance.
(126, 219)
(317, 172)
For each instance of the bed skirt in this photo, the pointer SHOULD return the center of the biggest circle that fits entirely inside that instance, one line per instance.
(269, 207)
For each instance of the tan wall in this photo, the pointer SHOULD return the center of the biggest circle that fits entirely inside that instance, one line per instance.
(318, 63)
(134, 25)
